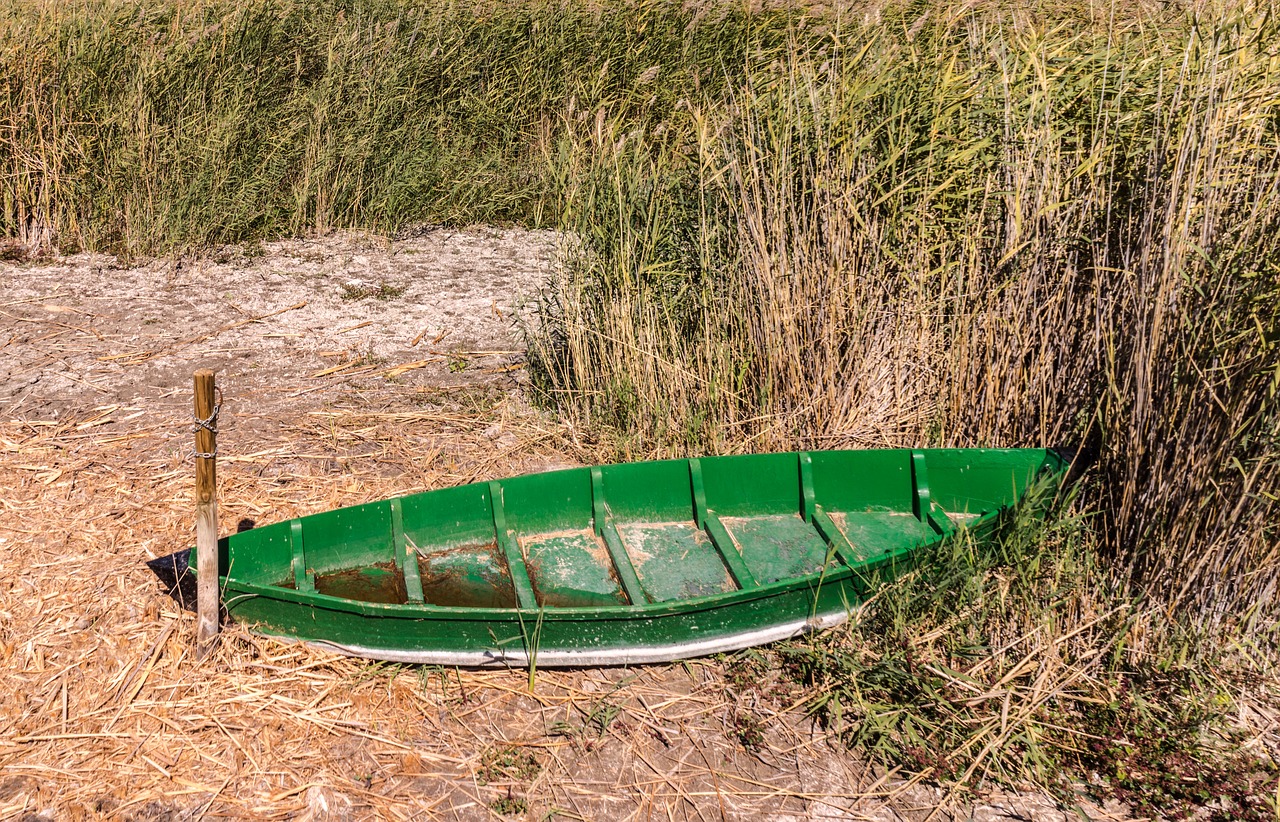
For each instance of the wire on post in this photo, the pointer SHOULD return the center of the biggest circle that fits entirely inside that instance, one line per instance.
(210, 424)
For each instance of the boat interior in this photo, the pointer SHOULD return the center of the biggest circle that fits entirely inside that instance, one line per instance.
(635, 534)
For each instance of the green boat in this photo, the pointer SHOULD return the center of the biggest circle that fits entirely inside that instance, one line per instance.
(618, 564)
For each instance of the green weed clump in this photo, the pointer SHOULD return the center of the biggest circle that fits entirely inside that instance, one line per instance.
(1005, 660)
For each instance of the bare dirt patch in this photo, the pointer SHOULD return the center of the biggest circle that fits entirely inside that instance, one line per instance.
(103, 711)
(287, 325)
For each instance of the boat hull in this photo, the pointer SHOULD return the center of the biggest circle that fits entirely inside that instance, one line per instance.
(640, 563)
(554, 642)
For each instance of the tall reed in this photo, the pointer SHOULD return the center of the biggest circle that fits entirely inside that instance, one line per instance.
(961, 225)
(145, 127)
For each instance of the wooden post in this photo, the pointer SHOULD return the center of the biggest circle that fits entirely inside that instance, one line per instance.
(206, 514)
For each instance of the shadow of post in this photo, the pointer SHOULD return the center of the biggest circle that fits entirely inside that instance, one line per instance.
(175, 576)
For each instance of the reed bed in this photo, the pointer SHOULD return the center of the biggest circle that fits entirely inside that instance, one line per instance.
(962, 225)
(141, 128)
(981, 226)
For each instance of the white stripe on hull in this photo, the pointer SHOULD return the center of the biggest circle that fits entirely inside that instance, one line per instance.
(590, 658)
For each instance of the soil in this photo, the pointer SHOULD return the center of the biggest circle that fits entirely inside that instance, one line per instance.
(287, 325)
(352, 368)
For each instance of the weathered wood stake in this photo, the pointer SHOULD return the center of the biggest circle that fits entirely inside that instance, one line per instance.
(206, 514)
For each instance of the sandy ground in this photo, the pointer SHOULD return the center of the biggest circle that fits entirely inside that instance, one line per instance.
(282, 324)
(352, 369)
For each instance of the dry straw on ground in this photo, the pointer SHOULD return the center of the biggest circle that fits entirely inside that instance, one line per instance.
(105, 713)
